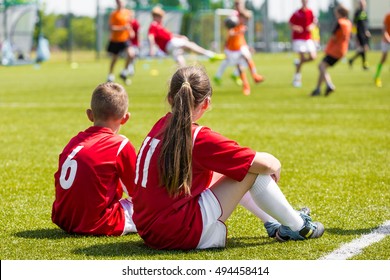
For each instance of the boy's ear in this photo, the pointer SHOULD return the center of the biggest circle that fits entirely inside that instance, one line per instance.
(90, 115)
(125, 118)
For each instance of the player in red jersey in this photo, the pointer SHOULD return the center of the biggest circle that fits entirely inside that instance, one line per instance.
(133, 50)
(174, 44)
(94, 169)
(178, 201)
(336, 48)
(301, 23)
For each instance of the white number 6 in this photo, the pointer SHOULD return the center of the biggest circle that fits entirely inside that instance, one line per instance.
(71, 164)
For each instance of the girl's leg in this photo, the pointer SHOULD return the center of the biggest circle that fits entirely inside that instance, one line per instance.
(267, 195)
(247, 202)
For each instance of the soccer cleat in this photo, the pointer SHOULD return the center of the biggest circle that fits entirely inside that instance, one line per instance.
(309, 230)
(378, 82)
(272, 227)
(217, 80)
(329, 90)
(365, 66)
(305, 210)
(217, 57)
(236, 79)
(257, 78)
(125, 79)
(315, 92)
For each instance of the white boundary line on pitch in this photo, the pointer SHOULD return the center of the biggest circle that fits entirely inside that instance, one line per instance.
(355, 247)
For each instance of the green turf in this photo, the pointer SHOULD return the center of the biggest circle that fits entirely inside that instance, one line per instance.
(334, 152)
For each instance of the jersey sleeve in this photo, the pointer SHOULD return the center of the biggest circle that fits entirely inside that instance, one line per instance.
(126, 161)
(292, 19)
(217, 153)
(152, 29)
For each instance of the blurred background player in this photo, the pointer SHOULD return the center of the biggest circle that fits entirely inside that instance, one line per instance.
(301, 23)
(95, 168)
(174, 44)
(121, 33)
(385, 45)
(237, 52)
(133, 50)
(363, 35)
(336, 48)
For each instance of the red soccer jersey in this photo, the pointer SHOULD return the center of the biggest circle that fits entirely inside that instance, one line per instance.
(161, 35)
(303, 18)
(135, 25)
(93, 170)
(166, 222)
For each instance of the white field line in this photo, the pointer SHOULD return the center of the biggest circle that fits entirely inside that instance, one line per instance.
(356, 246)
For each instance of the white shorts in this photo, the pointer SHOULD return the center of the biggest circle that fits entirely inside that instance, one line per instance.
(234, 58)
(128, 209)
(175, 46)
(238, 57)
(304, 46)
(385, 46)
(214, 231)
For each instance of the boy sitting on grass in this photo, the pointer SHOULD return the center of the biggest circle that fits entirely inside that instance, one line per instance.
(94, 169)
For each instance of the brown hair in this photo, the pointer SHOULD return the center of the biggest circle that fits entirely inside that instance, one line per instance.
(109, 101)
(189, 87)
(342, 11)
(157, 11)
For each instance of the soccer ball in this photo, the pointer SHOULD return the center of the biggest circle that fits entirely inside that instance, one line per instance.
(231, 22)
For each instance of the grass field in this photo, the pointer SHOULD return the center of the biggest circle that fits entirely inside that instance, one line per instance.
(335, 154)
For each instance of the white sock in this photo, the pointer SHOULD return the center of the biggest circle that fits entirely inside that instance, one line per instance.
(110, 78)
(124, 72)
(209, 54)
(222, 68)
(130, 69)
(268, 196)
(248, 203)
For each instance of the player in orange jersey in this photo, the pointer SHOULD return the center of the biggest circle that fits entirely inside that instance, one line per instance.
(121, 33)
(336, 48)
(238, 53)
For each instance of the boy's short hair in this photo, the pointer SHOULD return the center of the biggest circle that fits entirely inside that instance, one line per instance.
(157, 11)
(109, 101)
(342, 11)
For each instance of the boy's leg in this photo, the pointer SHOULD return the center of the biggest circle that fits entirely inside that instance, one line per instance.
(111, 76)
(246, 90)
(321, 78)
(189, 45)
(378, 81)
(222, 67)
